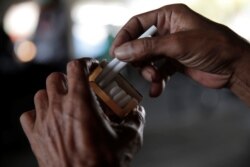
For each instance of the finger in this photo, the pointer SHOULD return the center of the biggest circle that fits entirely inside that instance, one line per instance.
(175, 46)
(27, 121)
(134, 28)
(41, 103)
(82, 99)
(150, 73)
(165, 18)
(77, 79)
(56, 85)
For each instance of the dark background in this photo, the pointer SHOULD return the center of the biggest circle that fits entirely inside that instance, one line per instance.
(188, 125)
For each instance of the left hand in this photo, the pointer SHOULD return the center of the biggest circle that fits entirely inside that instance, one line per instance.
(69, 128)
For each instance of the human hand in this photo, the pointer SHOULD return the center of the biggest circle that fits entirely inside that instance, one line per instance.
(69, 128)
(208, 52)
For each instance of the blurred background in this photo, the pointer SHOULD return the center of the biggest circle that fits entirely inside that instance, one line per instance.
(187, 126)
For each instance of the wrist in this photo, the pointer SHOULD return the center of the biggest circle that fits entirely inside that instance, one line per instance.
(239, 83)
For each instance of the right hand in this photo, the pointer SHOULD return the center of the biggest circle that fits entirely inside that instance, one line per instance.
(208, 52)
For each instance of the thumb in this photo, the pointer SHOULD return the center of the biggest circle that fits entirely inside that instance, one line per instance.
(142, 49)
(171, 45)
(136, 50)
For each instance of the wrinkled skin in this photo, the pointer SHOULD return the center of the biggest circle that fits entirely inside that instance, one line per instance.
(208, 52)
(69, 128)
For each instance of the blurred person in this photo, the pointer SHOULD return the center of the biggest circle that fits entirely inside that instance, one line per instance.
(69, 128)
(52, 35)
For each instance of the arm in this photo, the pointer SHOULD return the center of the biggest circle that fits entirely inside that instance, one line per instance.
(208, 52)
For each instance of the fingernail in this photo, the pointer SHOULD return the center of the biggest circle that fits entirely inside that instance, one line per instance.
(123, 52)
(147, 75)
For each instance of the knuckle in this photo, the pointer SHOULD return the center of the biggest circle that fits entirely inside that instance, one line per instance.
(57, 107)
(146, 48)
(134, 18)
(182, 6)
(175, 7)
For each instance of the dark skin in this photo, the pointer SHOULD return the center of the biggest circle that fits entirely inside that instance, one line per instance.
(208, 52)
(69, 128)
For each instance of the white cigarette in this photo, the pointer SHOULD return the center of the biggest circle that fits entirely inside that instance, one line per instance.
(115, 66)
